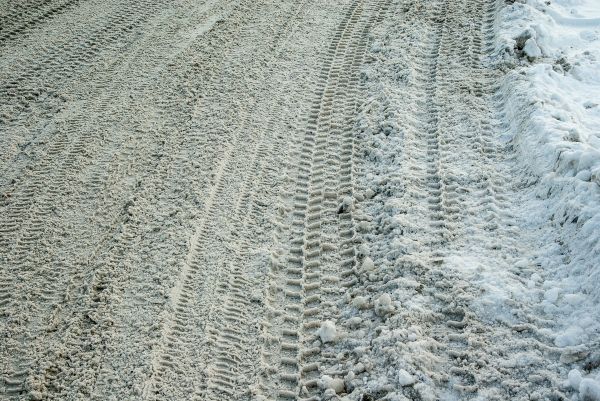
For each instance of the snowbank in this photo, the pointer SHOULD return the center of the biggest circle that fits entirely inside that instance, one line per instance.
(552, 101)
(550, 51)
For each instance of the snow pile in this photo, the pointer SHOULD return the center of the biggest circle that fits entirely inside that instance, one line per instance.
(550, 94)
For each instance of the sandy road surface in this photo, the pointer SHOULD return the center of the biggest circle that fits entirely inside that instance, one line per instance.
(190, 189)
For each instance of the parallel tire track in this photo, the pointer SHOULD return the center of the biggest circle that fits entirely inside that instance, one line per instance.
(463, 205)
(57, 63)
(59, 302)
(302, 268)
(321, 247)
(24, 16)
(225, 366)
(443, 205)
(54, 66)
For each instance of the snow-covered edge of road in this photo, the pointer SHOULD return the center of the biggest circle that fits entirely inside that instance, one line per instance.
(550, 94)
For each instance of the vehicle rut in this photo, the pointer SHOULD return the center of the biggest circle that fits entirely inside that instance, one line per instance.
(321, 248)
(23, 16)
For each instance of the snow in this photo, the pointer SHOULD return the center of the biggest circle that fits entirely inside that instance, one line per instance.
(531, 48)
(458, 256)
(574, 378)
(346, 205)
(523, 293)
(368, 264)
(327, 331)
(550, 51)
(553, 105)
(383, 305)
(360, 302)
(552, 295)
(405, 378)
(589, 390)
(332, 383)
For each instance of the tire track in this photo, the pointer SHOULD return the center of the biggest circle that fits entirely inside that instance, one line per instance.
(271, 352)
(302, 281)
(98, 276)
(321, 232)
(482, 192)
(531, 331)
(23, 17)
(199, 283)
(190, 142)
(232, 356)
(430, 190)
(443, 200)
(230, 370)
(337, 226)
(114, 207)
(452, 176)
(30, 84)
(103, 268)
(195, 279)
(51, 69)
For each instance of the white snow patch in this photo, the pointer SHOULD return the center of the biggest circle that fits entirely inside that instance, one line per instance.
(574, 378)
(531, 48)
(368, 264)
(552, 295)
(552, 104)
(360, 302)
(332, 383)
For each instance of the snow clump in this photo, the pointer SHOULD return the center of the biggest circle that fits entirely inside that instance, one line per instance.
(383, 305)
(327, 331)
(589, 390)
(405, 378)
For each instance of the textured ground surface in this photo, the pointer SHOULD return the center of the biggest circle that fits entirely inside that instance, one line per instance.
(268, 200)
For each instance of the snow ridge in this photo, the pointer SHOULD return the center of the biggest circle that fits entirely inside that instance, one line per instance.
(550, 53)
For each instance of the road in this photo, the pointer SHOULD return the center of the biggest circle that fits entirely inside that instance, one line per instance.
(192, 192)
